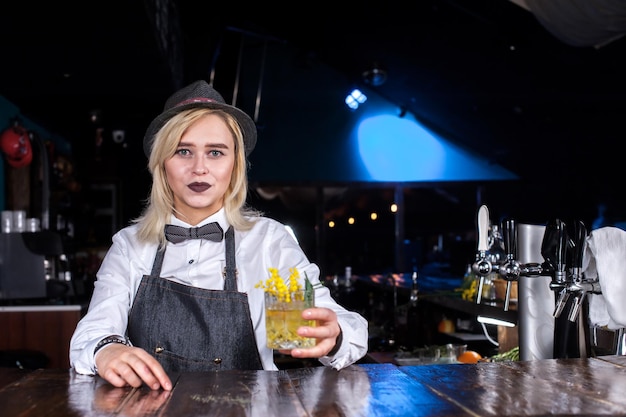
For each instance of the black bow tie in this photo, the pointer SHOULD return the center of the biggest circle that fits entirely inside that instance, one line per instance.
(177, 234)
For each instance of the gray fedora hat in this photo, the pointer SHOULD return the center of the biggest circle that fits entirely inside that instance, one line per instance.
(199, 94)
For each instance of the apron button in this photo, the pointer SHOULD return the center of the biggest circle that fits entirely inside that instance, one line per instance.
(158, 349)
(217, 361)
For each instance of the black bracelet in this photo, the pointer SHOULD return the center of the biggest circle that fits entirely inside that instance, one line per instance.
(108, 340)
(338, 341)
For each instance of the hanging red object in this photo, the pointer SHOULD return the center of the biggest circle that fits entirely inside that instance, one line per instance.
(16, 145)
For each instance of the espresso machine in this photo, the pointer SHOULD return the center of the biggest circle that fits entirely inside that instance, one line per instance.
(547, 262)
(33, 263)
(27, 264)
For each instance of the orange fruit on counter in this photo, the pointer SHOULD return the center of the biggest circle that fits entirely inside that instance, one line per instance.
(469, 356)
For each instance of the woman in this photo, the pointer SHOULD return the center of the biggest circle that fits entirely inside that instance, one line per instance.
(164, 302)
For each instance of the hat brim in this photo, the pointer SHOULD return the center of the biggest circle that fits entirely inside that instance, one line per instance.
(248, 127)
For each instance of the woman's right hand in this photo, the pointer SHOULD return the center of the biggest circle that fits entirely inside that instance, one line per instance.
(123, 365)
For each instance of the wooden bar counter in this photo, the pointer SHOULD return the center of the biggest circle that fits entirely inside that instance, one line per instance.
(560, 387)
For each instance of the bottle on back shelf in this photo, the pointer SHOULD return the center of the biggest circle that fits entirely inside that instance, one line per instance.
(469, 285)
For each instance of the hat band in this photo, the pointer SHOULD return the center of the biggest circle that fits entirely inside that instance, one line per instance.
(196, 100)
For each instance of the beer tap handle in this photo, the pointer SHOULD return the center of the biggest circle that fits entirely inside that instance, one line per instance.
(509, 233)
(561, 250)
(554, 249)
(482, 266)
(483, 229)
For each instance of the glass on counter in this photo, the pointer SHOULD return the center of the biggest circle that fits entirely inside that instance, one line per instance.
(431, 355)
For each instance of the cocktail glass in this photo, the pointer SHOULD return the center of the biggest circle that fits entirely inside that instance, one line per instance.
(283, 317)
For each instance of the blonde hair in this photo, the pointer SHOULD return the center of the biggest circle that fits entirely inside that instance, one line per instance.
(160, 202)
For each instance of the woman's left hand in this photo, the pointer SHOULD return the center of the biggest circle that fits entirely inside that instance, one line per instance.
(326, 332)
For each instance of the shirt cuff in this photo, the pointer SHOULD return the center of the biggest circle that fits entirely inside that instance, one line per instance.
(108, 340)
(335, 349)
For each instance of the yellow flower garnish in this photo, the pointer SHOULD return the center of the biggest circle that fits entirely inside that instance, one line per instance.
(277, 286)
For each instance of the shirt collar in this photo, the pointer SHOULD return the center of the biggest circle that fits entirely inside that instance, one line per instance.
(219, 216)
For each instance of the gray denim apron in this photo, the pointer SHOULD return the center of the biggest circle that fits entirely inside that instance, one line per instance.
(191, 329)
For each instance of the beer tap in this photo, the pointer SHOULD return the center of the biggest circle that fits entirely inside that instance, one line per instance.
(576, 277)
(577, 285)
(510, 270)
(579, 280)
(554, 251)
(562, 254)
(482, 266)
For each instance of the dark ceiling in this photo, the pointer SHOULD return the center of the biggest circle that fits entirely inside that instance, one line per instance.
(487, 74)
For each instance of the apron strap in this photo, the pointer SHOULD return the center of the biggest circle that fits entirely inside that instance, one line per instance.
(158, 262)
(230, 283)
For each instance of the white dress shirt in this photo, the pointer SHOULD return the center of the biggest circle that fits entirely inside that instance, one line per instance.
(200, 263)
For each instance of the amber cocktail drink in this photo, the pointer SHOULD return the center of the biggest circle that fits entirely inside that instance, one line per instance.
(283, 317)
